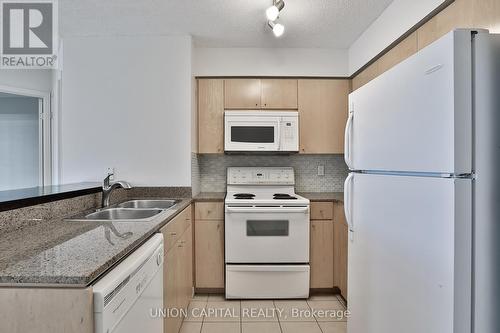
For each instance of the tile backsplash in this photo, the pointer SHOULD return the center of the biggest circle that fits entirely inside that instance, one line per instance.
(212, 170)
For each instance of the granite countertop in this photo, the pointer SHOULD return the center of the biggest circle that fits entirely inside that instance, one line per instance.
(71, 254)
(74, 254)
(323, 196)
(210, 196)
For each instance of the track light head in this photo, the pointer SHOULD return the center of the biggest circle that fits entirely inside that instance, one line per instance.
(273, 12)
(278, 29)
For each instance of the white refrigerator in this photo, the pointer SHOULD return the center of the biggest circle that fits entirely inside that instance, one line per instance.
(422, 199)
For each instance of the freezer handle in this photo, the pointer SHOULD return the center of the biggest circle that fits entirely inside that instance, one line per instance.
(348, 203)
(347, 140)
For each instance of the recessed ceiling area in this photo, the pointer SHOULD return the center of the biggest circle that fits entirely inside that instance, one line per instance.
(224, 23)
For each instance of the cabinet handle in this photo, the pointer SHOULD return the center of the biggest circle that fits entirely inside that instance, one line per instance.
(180, 245)
(173, 233)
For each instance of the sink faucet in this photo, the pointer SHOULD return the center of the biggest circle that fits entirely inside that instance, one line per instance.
(108, 187)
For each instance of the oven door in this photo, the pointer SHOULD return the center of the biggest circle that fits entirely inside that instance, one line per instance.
(267, 234)
(251, 133)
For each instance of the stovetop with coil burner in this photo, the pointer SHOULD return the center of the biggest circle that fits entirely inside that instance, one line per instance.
(262, 186)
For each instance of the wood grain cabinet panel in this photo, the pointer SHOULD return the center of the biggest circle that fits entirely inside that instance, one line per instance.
(242, 93)
(321, 254)
(209, 211)
(340, 241)
(323, 109)
(279, 94)
(209, 254)
(210, 116)
(178, 266)
(321, 210)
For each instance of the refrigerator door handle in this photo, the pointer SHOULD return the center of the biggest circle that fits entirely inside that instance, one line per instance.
(347, 140)
(347, 204)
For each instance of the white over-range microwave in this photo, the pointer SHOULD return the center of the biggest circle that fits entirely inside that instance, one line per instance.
(261, 131)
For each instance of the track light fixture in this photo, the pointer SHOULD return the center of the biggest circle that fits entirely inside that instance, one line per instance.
(272, 14)
(278, 29)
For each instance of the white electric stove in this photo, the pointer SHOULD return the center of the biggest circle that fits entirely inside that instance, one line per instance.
(266, 235)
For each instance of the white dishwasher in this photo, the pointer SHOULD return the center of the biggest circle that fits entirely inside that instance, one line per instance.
(127, 298)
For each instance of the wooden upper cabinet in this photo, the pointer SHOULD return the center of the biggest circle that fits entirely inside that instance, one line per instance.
(323, 109)
(210, 116)
(242, 93)
(260, 94)
(279, 94)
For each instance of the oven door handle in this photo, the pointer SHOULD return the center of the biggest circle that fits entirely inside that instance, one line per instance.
(304, 210)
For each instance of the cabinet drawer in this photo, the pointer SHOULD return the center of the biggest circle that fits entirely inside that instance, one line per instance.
(209, 211)
(321, 210)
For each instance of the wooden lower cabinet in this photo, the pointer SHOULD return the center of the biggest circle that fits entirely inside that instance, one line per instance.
(328, 249)
(178, 268)
(321, 254)
(340, 239)
(209, 254)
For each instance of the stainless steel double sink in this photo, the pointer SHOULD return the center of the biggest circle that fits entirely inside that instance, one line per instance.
(132, 211)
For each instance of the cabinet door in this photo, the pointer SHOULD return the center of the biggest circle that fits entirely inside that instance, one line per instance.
(279, 94)
(340, 238)
(323, 112)
(170, 290)
(321, 254)
(209, 253)
(242, 93)
(187, 267)
(321, 210)
(209, 211)
(210, 116)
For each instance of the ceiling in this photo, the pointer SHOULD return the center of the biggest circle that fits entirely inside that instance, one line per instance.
(224, 23)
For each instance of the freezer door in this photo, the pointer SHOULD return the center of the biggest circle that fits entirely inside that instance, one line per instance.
(409, 261)
(416, 117)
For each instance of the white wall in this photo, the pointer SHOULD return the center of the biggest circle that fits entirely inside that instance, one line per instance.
(269, 62)
(19, 143)
(34, 79)
(397, 18)
(126, 103)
